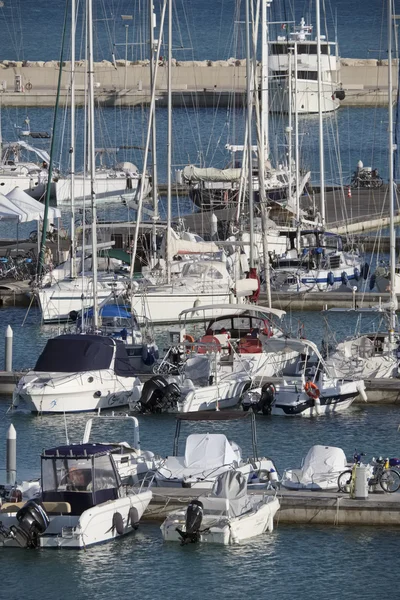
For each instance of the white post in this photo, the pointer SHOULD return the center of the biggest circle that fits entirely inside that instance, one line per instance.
(8, 355)
(11, 455)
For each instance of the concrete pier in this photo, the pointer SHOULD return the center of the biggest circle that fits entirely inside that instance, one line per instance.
(198, 83)
(297, 507)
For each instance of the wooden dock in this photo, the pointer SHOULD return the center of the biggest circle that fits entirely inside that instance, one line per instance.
(297, 507)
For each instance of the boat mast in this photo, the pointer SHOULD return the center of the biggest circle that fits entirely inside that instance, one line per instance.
(320, 121)
(393, 297)
(153, 147)
(249, 92)
(72, 148)
(92, 158)
(169, 144)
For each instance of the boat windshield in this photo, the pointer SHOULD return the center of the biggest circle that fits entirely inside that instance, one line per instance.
(92, 474)
(199, 269)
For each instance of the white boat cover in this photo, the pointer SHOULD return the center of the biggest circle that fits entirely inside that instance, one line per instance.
(205, 451)
(181, 246)
(321, 461)
(194, 174)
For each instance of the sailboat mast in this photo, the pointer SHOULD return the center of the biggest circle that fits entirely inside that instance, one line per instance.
(169, 144)
(152, 25)
(72, 149)
(249, 92)
(320, 121)
(264, 81)
(393, 298)
(92, 159)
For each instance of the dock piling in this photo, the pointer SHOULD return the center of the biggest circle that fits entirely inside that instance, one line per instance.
(8, 354)
(11, 455)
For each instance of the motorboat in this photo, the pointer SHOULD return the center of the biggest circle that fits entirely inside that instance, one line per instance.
(319, 470)
(83, 502)
(227, 515)
(79, 372)
(215, 370)
(207, 455)
(310, 390)
(301, 96)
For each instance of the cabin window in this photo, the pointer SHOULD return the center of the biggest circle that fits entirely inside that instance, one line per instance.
(104, 474)
(66, 474)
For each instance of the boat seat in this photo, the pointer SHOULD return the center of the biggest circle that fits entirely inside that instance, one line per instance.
(49, 507)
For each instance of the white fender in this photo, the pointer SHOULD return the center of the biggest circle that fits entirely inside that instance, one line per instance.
(361, 390)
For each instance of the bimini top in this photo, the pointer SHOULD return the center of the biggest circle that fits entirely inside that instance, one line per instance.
(212, 415)
(73, 353)
(236, 309)
(80, 450)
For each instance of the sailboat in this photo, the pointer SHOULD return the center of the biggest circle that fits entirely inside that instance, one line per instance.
(377, 354)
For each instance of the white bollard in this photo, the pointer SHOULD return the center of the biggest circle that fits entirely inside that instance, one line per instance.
(11, 455)
(8, 349)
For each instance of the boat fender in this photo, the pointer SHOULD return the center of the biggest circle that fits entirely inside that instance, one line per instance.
(148, 355)
(357, 274)
(372, 281)
(365, 271)
(118, 523)
(73, 315)
(330, 278)
(361, 391)
(312, 390)
(344, 277)
(133, 517)
(317, 405)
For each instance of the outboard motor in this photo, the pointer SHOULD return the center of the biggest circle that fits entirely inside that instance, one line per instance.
(267, 398)
(33, 521)
(158, 395)
(194, 518)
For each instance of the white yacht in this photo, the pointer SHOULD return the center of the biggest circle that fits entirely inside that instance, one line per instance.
(227, 515)
(304, 89)
(77, 373)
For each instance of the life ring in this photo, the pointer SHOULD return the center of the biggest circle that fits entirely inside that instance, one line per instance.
(28, 86)
(188, 338)
(312, 390)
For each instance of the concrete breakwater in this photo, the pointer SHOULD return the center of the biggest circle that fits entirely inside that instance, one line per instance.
(202, 83)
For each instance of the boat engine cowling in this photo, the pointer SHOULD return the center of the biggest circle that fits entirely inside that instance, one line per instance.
(159, 395)
(267, 398)
(33, 521)
(193, 521)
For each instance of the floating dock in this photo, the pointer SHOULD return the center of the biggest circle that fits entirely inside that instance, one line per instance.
(297, 507)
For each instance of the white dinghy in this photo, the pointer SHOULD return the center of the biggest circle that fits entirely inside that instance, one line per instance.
(320, 470)
(83, 502)
(207, 455)
(228, 515)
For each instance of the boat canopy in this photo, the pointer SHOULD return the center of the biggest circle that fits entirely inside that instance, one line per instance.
(74, 353)
(193, 174)
(285, 344)
(207, 415)
(111, 311)
(80, 450)
(235, 309)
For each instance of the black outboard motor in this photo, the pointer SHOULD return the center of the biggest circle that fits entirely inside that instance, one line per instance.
(267, 398)
(158, 395)
(194, 518)
(33, 521)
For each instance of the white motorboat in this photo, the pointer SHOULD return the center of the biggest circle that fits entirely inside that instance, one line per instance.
(207, 455)
(214, 371)
(294, 55)
(82, 502)
(312, 390)
(320, 470)
(76, 373)
(228, 515)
